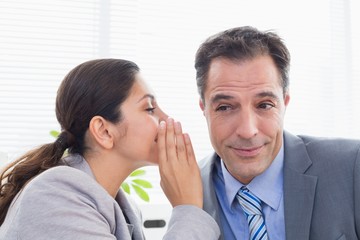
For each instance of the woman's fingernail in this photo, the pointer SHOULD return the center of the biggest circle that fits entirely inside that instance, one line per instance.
(170, 121)
(177, 126)
(162, 124)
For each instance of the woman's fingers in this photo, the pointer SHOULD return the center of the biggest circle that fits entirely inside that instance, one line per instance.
(161, 142)
(180, 143)
(170, 139)
(189, 149)
(180, 175)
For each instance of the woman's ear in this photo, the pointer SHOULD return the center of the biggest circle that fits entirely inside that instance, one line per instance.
(100, 129)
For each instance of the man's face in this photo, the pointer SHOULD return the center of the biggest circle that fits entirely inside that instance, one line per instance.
(244, 106)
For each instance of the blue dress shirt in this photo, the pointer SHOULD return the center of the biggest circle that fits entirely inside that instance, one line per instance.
(268, 187)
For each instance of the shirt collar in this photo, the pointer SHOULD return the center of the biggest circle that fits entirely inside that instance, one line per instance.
(268, 186)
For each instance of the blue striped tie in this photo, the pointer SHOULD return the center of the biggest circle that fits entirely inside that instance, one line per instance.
(252, 209)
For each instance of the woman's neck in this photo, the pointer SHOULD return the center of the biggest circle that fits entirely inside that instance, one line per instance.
(109, 171)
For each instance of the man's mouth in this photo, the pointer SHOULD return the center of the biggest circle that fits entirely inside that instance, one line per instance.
(248, 151)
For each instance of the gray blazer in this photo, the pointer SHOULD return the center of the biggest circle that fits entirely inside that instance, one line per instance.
(321, 188)
(66, 202)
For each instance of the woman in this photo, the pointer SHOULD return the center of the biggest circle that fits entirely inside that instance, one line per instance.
(111, 125)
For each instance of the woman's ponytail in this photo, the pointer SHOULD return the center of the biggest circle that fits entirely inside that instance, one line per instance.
(18, 173)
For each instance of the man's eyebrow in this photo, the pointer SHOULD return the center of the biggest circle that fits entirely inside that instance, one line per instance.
(219, 97)
(267, 94)
(152, 97)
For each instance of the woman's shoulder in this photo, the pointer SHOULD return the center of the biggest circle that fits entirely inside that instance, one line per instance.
(58, 192)
(61, 199)
(61, 174)
(60, 181)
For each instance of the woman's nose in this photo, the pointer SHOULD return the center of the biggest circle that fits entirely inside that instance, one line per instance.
(162, 115)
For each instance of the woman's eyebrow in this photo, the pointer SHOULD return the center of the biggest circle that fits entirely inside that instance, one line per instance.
(148, 95)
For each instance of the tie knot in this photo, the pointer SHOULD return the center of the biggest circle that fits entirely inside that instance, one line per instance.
(249, 202)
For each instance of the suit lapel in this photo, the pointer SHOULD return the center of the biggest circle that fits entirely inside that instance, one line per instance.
(132, 230)
(299, 189)
(211, 205)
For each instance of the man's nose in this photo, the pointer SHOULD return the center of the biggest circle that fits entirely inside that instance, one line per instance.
(247, 124)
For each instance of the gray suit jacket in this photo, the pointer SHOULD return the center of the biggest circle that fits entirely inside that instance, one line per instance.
(66, 202)
(321, 188)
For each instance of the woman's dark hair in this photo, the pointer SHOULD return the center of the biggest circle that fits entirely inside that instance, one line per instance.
(240, 44)
(94, 88)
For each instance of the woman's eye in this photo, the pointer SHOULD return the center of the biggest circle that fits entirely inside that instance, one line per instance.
(266, 106)
(150, 110)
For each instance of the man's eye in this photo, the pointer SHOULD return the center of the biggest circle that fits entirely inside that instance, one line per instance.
(266, 106)
(150, 110)
(223, 108)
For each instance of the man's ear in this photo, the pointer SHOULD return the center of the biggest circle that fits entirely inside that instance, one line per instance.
(202, 106)
(287, 98)
(100, 129)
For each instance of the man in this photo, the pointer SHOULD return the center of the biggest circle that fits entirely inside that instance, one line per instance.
(263, 182)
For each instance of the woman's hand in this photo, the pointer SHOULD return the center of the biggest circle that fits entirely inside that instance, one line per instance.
(180, 174)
